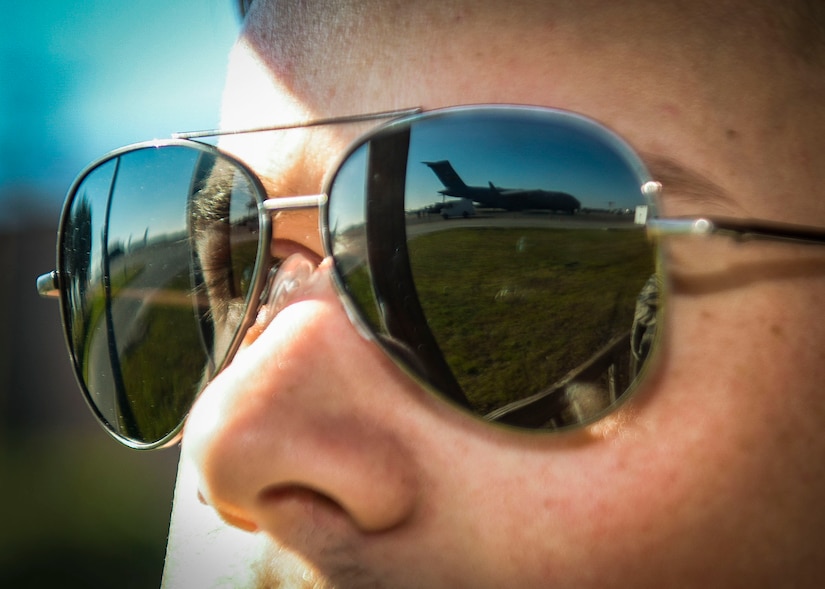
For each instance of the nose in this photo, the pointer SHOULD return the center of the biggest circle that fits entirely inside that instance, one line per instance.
(302, 424)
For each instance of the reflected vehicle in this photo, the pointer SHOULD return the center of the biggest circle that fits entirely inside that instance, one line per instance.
(462, 207)
(511, 199)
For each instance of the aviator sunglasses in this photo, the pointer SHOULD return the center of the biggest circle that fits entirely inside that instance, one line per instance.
(505, 257)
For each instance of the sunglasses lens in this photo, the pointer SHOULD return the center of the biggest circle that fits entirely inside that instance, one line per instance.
(159, 247)
(500, 256)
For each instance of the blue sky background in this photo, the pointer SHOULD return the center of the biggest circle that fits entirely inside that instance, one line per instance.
(79, 78)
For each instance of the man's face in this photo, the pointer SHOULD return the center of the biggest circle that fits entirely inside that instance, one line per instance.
(710, 476)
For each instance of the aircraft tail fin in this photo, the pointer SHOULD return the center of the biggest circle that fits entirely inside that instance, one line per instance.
(445, 172)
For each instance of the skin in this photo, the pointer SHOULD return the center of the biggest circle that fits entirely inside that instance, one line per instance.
(712, 475)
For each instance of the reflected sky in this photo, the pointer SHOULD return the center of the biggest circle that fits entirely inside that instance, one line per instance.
(79, 78)
(525, 152)
(150, 191)
(150, 198)
(529, 153)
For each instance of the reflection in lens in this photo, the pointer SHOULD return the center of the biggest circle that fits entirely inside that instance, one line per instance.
(140, 329)
(532, 294)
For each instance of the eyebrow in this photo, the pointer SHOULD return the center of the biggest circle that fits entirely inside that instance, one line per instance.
(685, 183)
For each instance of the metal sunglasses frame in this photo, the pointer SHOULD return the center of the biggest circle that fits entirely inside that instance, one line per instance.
(740, 229)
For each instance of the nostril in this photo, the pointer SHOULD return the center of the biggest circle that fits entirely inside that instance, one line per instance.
(237, 522)
(300, 496)
(229, 517)
(285, 509)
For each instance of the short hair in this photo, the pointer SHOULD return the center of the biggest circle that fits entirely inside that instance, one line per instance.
(800, 22)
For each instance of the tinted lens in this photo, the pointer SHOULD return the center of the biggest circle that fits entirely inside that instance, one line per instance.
(158, 252)
(501, 256)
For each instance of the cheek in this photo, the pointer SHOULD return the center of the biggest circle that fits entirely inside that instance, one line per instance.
(604, 505)
(707, 459)
(716, 464)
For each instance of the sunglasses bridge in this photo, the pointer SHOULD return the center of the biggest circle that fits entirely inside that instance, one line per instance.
(284, 203)
(738, 229)
(48, 284)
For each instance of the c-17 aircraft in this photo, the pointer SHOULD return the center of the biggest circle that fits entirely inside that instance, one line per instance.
(511, 199)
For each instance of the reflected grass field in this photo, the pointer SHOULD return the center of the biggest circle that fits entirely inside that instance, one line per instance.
(515, 309)
(159, 337)
(161, 357)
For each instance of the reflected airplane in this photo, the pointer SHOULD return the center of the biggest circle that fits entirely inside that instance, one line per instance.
(511, 199)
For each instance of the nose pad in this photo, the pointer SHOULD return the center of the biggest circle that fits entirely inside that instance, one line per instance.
(296, 278)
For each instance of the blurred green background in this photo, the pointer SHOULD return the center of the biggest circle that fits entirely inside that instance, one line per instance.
(77, 79)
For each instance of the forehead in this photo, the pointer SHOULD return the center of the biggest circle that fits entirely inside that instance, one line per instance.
(326, 59)
(294, 35)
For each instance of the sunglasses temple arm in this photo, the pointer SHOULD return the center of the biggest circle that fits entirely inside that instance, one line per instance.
(48, 285)
(741, 230)
(387, 114)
